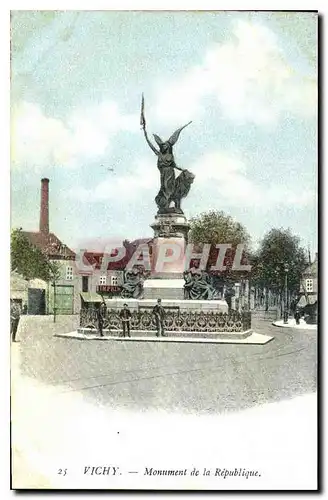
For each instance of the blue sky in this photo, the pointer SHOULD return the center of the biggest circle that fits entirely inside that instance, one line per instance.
(246, 80)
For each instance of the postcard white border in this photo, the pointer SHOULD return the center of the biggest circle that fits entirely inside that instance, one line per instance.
(4, 113)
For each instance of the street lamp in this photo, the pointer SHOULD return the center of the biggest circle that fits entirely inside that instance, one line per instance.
(258, 280)
(286, 295)
(237, 297)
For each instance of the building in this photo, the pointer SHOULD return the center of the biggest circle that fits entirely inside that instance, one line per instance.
(106, 282)
(62, 293)
(309, 284)
(82, 277)
(18, 289)
(95, 281)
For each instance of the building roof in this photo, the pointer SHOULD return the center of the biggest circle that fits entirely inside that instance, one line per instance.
(50, 245)
(312, 269)
(91, 297)
(95, 258)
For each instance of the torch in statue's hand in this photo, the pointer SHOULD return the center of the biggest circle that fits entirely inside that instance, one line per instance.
(142, 114)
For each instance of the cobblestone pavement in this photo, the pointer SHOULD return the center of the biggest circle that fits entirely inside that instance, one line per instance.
(188, 378)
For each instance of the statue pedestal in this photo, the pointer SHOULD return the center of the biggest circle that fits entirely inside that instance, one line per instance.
(169, 244)
(168, 289)
(168, 264)
(171, 225)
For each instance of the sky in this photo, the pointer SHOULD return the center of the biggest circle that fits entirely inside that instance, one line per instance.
(247, 80)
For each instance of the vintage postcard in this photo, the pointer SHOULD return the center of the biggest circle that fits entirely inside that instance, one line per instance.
(164, 250)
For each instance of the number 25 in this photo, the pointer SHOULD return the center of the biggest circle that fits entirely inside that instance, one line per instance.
(62, 471)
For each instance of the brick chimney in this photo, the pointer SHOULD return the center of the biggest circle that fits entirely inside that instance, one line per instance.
(44, 208)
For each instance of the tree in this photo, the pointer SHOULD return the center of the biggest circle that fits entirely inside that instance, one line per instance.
(278, 248)
(29, 261)
(53, 271)
(26, 259)
(216, 227)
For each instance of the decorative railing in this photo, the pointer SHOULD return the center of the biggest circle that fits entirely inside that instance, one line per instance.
(174, 321)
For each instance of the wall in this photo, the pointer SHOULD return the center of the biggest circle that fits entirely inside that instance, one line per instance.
(94, 281)
(63, 264)
(18, 287)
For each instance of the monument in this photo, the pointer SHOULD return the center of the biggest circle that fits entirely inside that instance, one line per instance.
(171, 279)
(193, 305)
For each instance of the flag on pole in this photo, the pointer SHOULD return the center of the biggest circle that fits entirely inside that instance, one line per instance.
(142, 114)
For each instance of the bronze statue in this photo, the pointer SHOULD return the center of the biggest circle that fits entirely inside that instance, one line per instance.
(172, 189)
(133, 283)
(198, 286)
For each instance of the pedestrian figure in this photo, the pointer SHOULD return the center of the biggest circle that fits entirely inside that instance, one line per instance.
(101, 315)
(159, 314)
(125, 315)
(15, 313)
(297, 316)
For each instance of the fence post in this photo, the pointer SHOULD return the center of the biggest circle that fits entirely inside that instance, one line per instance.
(54, 285)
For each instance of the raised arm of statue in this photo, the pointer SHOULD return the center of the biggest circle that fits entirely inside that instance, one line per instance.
(152, 147)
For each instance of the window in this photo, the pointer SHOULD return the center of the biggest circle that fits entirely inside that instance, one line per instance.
(309, 285)
(113, 280)
(85, 283)
(102, 280)
(69, 273)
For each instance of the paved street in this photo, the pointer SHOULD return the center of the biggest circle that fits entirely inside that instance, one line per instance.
(181, 377)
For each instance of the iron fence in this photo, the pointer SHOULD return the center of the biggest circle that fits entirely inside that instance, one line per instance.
(174, 321)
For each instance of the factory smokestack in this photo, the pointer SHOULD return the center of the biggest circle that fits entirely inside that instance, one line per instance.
(44, 208)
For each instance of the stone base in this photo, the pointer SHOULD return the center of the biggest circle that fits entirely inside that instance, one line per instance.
(249, 338)
(181, 304)
(169, 333)
(169, 289)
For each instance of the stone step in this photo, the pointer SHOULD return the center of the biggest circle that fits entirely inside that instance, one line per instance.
(253, 338)
(168, 333)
